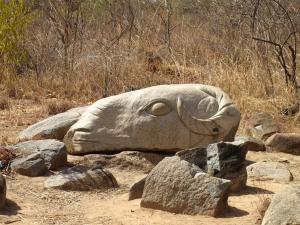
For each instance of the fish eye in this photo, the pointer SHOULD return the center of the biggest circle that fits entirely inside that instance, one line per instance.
(158, 109)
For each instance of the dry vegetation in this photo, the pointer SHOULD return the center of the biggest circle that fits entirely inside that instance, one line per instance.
(55, 107)
(261, 206)
(84, 50)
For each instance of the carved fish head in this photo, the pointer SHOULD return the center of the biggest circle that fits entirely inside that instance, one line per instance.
(160, 118)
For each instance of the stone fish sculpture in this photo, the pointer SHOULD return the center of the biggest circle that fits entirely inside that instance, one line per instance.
(165, 118)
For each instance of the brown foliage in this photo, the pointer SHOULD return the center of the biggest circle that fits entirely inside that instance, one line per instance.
(58, 106)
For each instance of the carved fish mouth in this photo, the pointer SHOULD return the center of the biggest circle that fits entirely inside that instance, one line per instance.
(208, 127)
(216, 125)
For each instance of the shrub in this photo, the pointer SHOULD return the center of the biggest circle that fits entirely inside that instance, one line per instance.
(55, 107)
(14, 16)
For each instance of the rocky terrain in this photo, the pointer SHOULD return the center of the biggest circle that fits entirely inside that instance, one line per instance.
(47, 186)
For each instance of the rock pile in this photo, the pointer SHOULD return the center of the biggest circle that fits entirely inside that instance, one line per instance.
(35, 158)
(194, 181)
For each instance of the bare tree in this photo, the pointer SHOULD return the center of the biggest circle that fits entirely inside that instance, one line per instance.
(65, 16)
(273, 24)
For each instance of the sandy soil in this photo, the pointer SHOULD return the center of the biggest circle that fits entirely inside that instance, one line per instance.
(29, 203)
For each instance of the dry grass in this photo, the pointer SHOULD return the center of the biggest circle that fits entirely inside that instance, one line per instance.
(205, 48)
(58, 106)
(262, 206)
(3, 140)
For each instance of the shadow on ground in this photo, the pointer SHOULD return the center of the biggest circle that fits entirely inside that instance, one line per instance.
(251, 190)
(11, 208)
(234, 212)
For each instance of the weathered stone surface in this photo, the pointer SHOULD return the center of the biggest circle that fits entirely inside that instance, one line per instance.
(261, 126)
(53, 152)
(284, 142)
(269, 171)
(250, 143)
(197, 156)
(146, 119)
(137, 189)
(178, 186)
(227, 160)
(2, 191)
(54, 127)
(224, 160)
(131, 160)
(32, 165)
(284, 208)
(82, 178)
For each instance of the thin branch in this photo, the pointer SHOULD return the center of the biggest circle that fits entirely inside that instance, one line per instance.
(266, 41)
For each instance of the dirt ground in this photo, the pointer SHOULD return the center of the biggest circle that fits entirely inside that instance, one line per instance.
(29, 203)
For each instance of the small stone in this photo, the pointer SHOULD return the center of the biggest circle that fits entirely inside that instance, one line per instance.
(284, 142)
(275, 171)
(284, 208)
(32, 165)
(250, 143)
(80, 178)
(136, 190)
(261, 126)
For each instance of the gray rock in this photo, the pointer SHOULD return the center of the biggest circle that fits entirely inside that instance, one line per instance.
(53, 152)
(177, 186)
(284, 142)
(284, 208)
(224, 160)
(137, 189)
(227, 160)
(2, 191)
(131, 160)
(251, 143)
(261, 126)
(195, 156)
(32, 165)
(269, 171)
(81, 178)
(54, 127)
